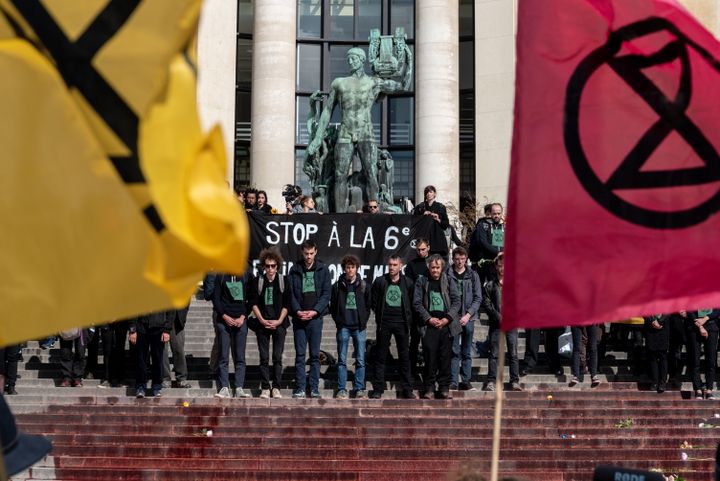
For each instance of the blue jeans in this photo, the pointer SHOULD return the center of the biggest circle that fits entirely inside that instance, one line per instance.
(462, 349)
(358, 337)
(304, 333)
(238, 336)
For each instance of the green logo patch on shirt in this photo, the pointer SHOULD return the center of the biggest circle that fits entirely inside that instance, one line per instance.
(308, 284)
(236, 290)
(498, 238)
(393, 296)
(436, 302)
(350, 301)
(269, 292)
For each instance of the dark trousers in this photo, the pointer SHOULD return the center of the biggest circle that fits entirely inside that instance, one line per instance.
(72, 357)
(532, 347)
(382, 346)
(414, 347)
(437, 352)
(237, 338)
(177, 346)
(9, 359)
(591, 350)
(149, 351)
(307, 334)
(93, 346)
(658, 366)
(696, 346)
(113, 342)
(278, 345)
(677, 342)
(511, 339)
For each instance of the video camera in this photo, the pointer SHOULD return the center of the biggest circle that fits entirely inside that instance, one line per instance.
(291, 193)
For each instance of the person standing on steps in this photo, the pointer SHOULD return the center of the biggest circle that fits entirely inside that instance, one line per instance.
(391, 300)
(310, 295)
(470, 290)
(149, 332)
(270, 300)
(350, 309)
(230, 302)
(437, 302)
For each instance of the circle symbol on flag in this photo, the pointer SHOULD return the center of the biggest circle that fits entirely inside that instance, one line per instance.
(672, 118)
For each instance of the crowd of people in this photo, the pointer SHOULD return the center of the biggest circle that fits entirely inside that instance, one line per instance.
(429, 305)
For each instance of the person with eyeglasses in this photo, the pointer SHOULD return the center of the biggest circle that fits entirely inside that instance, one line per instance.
(373, 207)
(270, 298)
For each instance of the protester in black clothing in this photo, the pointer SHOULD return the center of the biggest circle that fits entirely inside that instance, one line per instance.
(532, 350)
(150, 332)
(250, 199)
(415, 269)
(437, 302)
(487, 241)
(230, 303)
(310, 286)
(657, 340)
(9, 358)
(113, 342)
(391, 300)
(270, 298)
(492, 302)
(701, 327)
(73, 356)
(429, 207)
(676, 323)
(350, 309)
(177, 347)
(261, 204)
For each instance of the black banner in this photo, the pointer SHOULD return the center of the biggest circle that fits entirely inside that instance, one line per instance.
(371, 237)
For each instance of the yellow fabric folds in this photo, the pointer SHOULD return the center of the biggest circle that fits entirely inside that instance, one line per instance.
(113, 202)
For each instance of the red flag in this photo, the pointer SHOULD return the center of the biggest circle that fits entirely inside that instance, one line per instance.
(615, 176)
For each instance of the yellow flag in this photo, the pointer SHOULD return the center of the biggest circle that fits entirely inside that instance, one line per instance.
(113, 202)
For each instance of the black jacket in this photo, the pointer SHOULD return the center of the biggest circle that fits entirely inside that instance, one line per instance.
(223, 302)
(178, 317)
(657, 339)
(377, 298)
(151, 323)
(492, 302)
(435, 208)
(481, 241)
(339, 295)
(322, 286)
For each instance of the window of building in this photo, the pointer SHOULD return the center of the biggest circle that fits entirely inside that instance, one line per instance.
(467, 104)
(327, 29)
(243, 90)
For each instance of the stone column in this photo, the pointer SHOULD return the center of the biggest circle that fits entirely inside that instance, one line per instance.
(217, 52)
(494, 97)
(273, 97)
(436, 97)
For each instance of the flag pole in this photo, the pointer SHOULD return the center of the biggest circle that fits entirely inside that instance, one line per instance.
(495, 460)
(3, 473)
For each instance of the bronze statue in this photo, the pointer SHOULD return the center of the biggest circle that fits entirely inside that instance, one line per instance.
(331, 151)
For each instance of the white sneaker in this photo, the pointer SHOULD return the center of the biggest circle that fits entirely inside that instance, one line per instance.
(241, 394)
(224, 393)
(276, 393)
(265, 394)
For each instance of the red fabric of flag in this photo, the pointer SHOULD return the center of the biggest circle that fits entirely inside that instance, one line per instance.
(615, 176)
